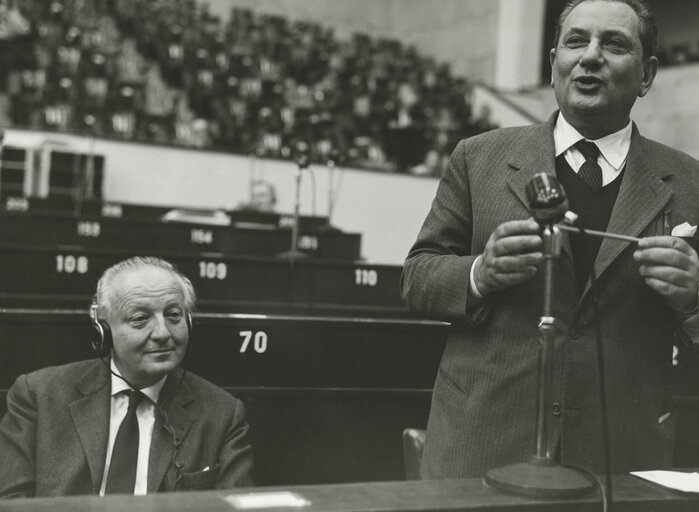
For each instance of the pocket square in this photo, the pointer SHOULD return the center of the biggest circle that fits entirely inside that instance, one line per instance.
(199, 480)
(684, 230)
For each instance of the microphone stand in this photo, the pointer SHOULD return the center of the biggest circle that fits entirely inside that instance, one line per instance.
(331, 165)
(293, 253)
(85, 191)
(542, 476)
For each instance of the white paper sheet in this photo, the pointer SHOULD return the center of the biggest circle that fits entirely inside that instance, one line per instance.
(266, 500)
(686, 482)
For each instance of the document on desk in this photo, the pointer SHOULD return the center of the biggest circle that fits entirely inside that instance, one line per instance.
(255, 500)
(686, 482)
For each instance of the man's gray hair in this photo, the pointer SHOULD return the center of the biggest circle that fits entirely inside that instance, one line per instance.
(648, 27)
(101, 298)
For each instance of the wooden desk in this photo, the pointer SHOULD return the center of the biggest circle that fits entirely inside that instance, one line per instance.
(154, 236)
(60, 277)
(66, 207)
(631, 495)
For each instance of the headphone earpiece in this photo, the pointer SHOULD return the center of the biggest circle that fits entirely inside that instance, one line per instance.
(188, 319)
(101, 338)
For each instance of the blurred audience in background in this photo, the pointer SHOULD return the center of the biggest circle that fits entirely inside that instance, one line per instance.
(171, 72)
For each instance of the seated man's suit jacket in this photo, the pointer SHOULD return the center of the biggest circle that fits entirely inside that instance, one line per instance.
(483, 412)
(53, 439)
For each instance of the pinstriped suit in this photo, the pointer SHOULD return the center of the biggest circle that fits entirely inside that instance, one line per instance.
(483, 408)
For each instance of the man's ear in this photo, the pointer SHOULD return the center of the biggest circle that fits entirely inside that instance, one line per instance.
(552, 59)
(650, 69)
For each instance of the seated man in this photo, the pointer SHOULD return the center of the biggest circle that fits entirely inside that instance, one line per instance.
(263, 197)
(130, 421)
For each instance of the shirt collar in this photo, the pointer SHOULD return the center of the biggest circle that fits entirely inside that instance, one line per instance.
(119, 385)
(614, 147)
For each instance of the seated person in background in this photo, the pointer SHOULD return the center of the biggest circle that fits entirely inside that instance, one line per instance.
(263, 197)
(131, 421)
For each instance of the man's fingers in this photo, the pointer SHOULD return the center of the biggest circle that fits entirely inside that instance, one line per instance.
(670, 275)
(677, 297)
(516, 227)
(516, 245)
(665, 257)
(513, 278)
(667, 242)
(510, 256)
(508, 264)
(504, 280)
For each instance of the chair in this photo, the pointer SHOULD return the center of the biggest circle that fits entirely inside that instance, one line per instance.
(413, 443)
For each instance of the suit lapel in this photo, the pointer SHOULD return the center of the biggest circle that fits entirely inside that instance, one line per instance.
(172, 424)
(642, 196)
(535, 154)
(91, 419)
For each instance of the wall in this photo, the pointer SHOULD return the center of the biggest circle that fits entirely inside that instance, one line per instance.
(520, 43)
(669, 113)
(387, 209)
(677, 22)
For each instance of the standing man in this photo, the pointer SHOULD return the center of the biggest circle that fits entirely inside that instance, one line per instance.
(132, 421)
(476, 259)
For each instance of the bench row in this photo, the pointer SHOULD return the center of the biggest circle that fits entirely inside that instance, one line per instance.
(243, 350)
(66, 276)
(157, 236)
(65, 207)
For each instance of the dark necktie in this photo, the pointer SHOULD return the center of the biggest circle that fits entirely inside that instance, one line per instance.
(122, 469)
(590, 171)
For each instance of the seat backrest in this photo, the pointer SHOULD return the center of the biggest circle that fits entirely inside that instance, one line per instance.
(413, 443)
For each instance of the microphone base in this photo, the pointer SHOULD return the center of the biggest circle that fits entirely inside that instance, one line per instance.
(292, 255)
(540, 478)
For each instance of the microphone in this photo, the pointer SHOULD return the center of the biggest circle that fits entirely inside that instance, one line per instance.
(547, 199)
(335, 158)
(548, 204)
(302, 154)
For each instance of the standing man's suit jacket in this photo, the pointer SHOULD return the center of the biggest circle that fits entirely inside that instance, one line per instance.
(483, 411)
(53, 439)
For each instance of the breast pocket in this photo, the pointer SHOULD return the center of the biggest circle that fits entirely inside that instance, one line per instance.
(199, 480)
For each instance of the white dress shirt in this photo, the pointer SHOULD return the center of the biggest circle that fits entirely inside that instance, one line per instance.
(613, 148)
(146, 419)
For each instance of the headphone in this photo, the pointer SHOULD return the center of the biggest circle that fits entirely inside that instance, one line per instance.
(102, 340)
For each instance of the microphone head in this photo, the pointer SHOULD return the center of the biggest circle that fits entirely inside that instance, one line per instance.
(302, 154)
(335, 156)
(546, 197)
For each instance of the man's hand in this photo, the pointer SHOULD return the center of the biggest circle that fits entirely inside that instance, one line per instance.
(670, 267)
(510, 257)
